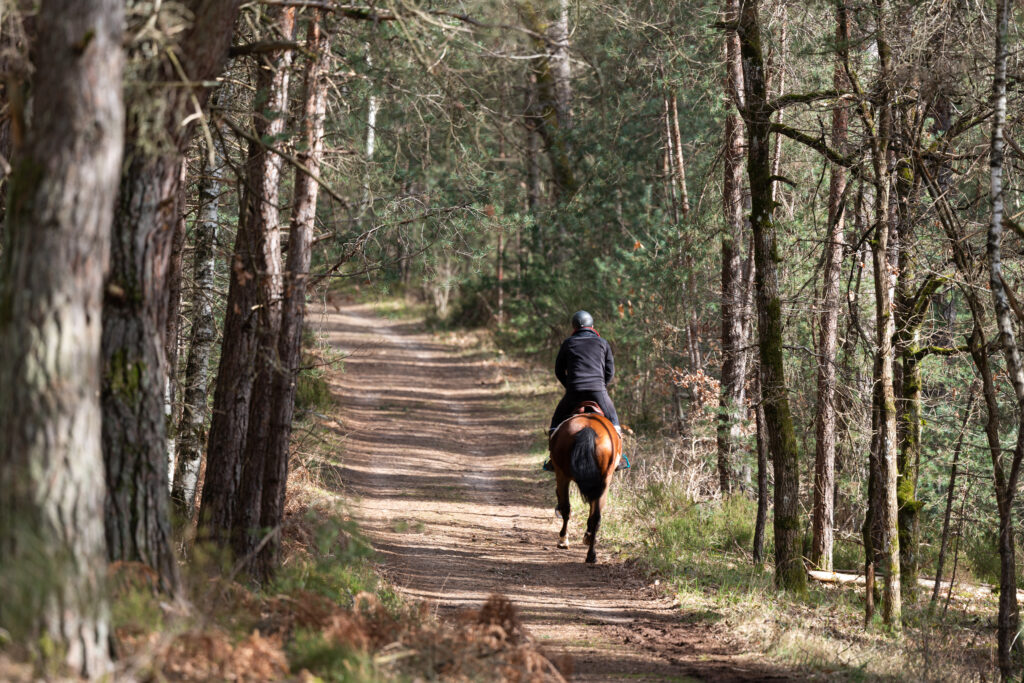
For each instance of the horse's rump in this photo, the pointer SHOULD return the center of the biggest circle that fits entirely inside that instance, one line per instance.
(583, 465)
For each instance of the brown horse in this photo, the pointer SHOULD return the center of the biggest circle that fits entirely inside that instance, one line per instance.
(584, 449)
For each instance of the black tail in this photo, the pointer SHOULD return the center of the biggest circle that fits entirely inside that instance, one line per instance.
(583, 465)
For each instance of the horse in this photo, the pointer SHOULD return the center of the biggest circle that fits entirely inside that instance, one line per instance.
(584, 449)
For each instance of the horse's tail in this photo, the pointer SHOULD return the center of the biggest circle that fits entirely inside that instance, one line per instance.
(583, 465)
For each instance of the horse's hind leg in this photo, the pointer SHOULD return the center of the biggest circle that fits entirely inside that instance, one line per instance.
(562, 491)
(593, 523)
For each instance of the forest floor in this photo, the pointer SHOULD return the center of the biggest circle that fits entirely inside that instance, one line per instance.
(443, 477)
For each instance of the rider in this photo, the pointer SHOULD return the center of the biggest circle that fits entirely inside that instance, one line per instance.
(584, 366)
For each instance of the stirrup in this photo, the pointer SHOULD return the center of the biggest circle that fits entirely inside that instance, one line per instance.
(547, 466)
(623, 463)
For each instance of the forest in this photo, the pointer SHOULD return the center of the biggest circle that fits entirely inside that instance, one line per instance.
(799, 225)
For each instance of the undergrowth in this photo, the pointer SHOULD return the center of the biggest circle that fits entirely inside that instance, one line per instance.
(665, 514)
(327, 615)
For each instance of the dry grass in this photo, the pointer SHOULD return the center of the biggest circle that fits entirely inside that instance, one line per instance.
(667, 513)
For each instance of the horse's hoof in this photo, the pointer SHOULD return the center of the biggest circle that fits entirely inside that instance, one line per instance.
(591, 558)
(586, 538)
(563, 544)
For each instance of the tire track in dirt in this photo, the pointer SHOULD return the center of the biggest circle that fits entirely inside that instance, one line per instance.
(457, 511)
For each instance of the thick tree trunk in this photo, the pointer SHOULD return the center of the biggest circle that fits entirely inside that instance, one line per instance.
(300, 240)
(191, 429)
(825, 416)
(246, 531)
(135, 307)
(551, 111)
(58, 231)
(560, 66)
(782, 446)
(1005, 482)
(230, 504)
(134, 323)
(734, 356)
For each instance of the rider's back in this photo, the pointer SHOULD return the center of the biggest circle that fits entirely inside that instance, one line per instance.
(585, 362)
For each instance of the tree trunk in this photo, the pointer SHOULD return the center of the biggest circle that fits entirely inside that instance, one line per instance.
(58, 233)
(191, 429)
(551, 112)
(174, 317)
(677, 149)
(250, 319)
(946, 518)
(1005, 482)
(782, 446)
(912, 302)
(300, 239)
(246, 531)
(762, 485)
(883, 462)
(734, 355)
(825, 416)
(135, 306)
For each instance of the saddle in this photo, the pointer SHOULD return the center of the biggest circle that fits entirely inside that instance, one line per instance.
(588, 407)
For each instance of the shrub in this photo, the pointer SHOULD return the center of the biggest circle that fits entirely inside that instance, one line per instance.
(312, 391)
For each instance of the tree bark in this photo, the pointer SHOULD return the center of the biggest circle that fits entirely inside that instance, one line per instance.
(677, 150)
(300, 240)
(762, 485)
(551, 111)
(246, 530)
(881, 537)
(950, 491)
(58, 234)
(135, 306)
(1005, 482)
(230, 505)
(734, 356)
(912, 302)
(191, 429)
(825, 416)
(782, 447)
(174, 318)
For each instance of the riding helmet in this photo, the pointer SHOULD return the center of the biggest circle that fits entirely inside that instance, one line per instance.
(582, 319)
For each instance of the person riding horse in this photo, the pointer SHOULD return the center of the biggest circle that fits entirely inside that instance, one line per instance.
(585, 366)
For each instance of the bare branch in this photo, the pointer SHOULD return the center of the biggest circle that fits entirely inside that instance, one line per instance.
(817, 144)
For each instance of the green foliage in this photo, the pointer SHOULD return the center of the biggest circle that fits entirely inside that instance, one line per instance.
(339, 567)
(982, 552)
(847, 555)
(136, 609)
(312, 391)
(329, 661)
(692, 542)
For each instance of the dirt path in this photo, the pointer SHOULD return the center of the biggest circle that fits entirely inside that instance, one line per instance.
(458, 512)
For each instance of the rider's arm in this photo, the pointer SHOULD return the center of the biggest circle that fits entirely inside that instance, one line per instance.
(609, 364)
(560, 363)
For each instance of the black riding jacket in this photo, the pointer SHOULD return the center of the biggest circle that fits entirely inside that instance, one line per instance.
(585, 362)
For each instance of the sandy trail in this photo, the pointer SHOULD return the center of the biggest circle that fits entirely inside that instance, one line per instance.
(457, 511)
